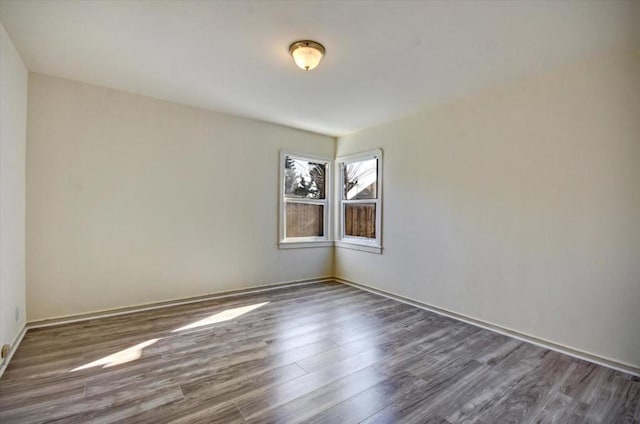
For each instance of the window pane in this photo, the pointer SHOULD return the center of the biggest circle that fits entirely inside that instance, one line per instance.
(360, 220)
(304, 220)
(304, 179)
(361, 180)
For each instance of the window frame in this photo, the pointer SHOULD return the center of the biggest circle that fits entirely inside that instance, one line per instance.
(326, 239)
(373, 245)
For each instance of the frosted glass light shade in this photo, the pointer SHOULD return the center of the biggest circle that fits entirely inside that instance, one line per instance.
(307, 54)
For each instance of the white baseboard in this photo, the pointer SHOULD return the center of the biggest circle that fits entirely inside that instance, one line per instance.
(576, 353)
(14, 347)
(49, 322)
(151, 306)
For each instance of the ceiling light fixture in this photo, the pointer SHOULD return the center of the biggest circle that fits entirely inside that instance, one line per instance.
(306, 53)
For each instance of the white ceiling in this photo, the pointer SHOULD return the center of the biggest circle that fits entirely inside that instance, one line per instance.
(384, 59)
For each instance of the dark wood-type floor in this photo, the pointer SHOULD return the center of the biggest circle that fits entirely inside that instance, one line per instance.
(320, 353)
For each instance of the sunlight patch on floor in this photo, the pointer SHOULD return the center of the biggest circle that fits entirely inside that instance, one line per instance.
(126, 355)
(226, 315)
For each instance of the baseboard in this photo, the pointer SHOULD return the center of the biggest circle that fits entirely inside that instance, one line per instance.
(67, 319)
(151, 306)
(14, 347)
(576, 353)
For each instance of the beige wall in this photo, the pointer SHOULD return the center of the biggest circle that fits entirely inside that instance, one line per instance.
(519, 206)
(13, 115)
(133, 200)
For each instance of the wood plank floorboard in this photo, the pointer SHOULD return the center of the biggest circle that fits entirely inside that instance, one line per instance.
(318, 353)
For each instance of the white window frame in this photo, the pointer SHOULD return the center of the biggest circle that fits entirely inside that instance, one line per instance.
(351, 242)
(300, 242)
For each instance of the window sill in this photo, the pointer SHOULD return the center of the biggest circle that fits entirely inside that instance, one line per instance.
(358, 246)
(304, 244)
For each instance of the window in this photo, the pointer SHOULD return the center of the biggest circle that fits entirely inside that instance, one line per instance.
(360, 196)
(304, 208)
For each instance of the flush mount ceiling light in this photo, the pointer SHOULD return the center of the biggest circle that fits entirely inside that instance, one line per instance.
(306, 53)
